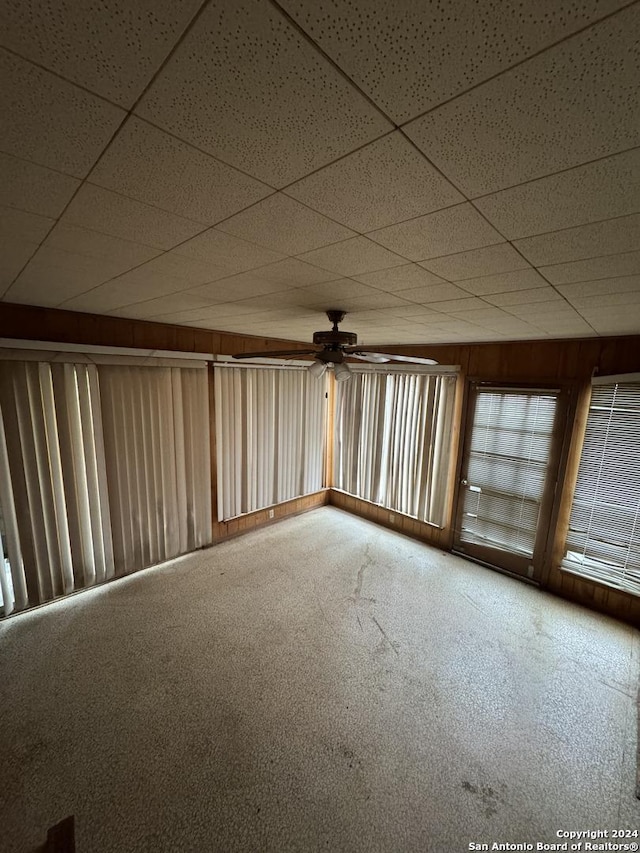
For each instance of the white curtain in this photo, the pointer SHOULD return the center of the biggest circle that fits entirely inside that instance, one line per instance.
(53, 499)
(393, 440)
(156, 437)
(270, 436)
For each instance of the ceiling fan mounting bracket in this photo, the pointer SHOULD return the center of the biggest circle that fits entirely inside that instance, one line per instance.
(335, 316)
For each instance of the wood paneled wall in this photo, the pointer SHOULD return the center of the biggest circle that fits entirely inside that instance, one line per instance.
(570, 363)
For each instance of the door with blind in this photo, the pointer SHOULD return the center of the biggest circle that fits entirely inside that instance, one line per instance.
(508, 476)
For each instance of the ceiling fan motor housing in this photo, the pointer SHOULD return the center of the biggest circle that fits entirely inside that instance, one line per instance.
(337, 339)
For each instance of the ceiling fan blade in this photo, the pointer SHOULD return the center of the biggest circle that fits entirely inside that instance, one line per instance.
(374, 357)
(275, 353)
(381, 357)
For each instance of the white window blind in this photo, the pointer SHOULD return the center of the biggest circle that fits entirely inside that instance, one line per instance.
(507, 468)
(270, 436)
(393, 440)
(53, 500)
(156, 438)
(603, 542)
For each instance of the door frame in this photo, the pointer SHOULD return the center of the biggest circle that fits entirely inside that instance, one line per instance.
(532, 569)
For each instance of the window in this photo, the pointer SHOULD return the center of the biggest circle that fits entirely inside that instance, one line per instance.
(270, 436)
(104, 469)
(393, 440)
(507, 466)
(603, 542)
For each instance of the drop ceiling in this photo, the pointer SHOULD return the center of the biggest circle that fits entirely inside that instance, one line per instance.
(443, 171)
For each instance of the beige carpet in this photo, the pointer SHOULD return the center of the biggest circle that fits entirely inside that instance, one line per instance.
(321, 685)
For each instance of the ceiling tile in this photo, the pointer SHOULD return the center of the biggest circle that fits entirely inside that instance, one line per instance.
(51, 122)
(432, 293)
(609, 237)
(227, 251)
(126, 289)
(14, 255)
(465, 303)
(610, 266)
(627, 301)
(525, 297)
(624, 284)
(73, 238)
(108, 46)
(454, 229)
(400, 278)
(33, 188)
(241, 286)
(501, 257)
(53, 276)
(571, 104)
(503, 282)
(170, 264)
(544, 311)
(585, 194)
(20, 225)
(353, 257)
(247, 87)
(101, 210)
(149, 165)
(176, 304)
(385, 182)
(294, 272)
(283, 224)
(411, 56)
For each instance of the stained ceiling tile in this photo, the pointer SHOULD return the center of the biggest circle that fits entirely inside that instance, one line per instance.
(51, 122)
(610, 266)
(101, 210)
(411, 56)
(111, 47)
(227, 251)
(601, 287)
(578, 196)
(353, 257)
(489, 260)
(385, 182)
(454, 229)
(283, 224)
(571, 104)
(400, 278)
(609, 237)
(147, 164)
(33, 188)
(248, 88)
(503, 282)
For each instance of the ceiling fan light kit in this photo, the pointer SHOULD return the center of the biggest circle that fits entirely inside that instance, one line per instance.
(331, 349)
